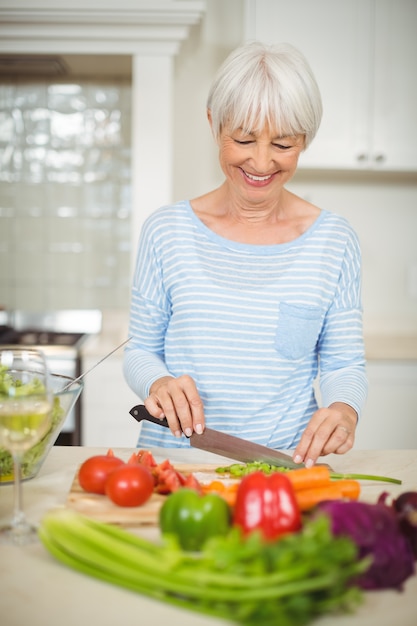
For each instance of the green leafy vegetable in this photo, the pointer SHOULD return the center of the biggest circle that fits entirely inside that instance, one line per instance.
(10, 386)
(242, 469)
(33, 455)
(248, 581)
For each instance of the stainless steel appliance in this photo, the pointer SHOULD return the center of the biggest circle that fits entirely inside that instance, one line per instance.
(60, 334)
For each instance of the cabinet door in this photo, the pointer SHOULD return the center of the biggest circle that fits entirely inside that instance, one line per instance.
(389, 418)
(107, 402)
(362, 53)
(394, 119)
(334, 37)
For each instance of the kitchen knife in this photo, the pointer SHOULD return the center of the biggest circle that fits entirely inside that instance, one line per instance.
(225, 445)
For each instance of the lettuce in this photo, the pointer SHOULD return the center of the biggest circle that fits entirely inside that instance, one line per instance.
(33, 456)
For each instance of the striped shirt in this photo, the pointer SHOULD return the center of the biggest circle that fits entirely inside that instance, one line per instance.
(252, 324)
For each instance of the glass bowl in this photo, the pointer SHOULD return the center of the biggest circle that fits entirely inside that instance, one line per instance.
(64, 401)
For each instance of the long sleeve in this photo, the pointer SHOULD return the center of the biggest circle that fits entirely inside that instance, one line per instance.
(149, 314)
(342, 357)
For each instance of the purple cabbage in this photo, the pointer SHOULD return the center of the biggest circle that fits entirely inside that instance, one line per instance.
(376, 530)
(406, 508)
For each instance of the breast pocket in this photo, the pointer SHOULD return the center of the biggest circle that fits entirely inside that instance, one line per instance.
(298, 329)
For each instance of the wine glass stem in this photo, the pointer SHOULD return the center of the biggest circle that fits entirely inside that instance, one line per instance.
(18, 514)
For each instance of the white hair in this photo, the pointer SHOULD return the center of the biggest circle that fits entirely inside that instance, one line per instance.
(259, 85)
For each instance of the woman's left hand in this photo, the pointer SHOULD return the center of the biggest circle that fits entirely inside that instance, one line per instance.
(330, 430)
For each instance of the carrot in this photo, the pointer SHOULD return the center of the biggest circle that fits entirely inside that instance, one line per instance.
(227, 492)
(337, 490)
(309, 477)
(350, 488)
(311, 486)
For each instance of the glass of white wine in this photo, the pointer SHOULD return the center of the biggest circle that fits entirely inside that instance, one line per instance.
(25, 417)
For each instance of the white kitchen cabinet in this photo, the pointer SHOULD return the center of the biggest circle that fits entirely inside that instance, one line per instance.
(107, 400)
(363, 55)
(389, 420)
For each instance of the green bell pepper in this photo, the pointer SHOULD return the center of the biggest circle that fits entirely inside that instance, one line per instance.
(193, 518)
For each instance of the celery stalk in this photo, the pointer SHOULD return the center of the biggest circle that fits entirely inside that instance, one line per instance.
(241, 592)
(91, 543)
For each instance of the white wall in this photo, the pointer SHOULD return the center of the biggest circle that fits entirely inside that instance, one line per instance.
(196, 167)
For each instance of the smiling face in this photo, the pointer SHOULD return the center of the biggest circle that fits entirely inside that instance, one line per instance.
(257, 164)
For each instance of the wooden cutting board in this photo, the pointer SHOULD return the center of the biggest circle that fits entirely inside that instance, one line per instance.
(102, 508)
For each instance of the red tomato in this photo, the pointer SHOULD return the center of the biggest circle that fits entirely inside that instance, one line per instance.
(142, 458)
(168, 481)
(94, 471)
(130, 485)
(192, 483)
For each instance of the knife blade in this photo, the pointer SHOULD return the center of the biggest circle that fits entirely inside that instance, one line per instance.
(223, 444)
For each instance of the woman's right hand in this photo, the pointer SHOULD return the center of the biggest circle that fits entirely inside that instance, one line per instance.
(178, 400)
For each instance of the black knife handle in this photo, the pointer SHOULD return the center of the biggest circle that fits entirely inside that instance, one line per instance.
(140, 412)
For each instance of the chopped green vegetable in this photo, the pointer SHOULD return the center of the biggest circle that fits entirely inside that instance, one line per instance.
(8, 383)
(32, 456)
(247, 581)
(242, 469)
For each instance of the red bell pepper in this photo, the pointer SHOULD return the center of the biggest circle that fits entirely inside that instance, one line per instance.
(266, 504)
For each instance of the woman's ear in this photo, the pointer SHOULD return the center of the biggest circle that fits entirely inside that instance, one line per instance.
(210, 119)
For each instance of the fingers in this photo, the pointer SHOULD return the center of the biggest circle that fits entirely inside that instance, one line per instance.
(178, 400)
(329, 431)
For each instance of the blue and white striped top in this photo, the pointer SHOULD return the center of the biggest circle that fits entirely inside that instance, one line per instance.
(252, 324)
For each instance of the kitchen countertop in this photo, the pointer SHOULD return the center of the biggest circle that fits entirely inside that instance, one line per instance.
(391, 347)
(38, 590)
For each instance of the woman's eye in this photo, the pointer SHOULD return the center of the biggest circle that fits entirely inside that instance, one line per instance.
(280, 146)
(243, 143)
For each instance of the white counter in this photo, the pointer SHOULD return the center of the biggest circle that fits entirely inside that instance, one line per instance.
(391, 347)
(36, 590)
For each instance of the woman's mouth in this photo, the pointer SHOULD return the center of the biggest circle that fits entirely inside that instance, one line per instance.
(257, 180)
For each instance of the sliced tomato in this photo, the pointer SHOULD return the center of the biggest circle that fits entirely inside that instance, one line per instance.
(182, 478)
(166, 477)
(164, 466)
(192, 483)
(168, 481)
(143, 457)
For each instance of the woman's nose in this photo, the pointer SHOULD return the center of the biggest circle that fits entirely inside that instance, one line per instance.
(262, 157)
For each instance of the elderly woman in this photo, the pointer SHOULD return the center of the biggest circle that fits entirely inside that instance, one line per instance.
(246, 295)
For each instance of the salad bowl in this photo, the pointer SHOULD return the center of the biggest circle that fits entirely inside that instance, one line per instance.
(66, 392)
